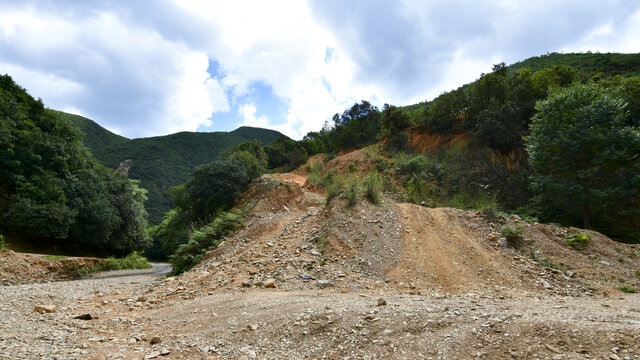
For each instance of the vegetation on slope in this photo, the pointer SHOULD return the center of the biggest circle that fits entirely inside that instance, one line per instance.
(53, 192)
(163, 161)
(201, 219)
(608, 64)
(495, 113)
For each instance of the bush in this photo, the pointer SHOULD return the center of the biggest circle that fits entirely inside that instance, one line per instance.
(353, 190)
(134, 260)
(544, 262)
(203, 239)
(3, 245)
(334, 185)
(627, 289)
(491, 212)
(397, 142)
(577, 239)
(471, 200)
(373, 185)
(419, 190)
(513, 234)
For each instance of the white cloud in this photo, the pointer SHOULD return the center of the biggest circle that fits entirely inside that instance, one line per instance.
(49, 86)
(125, 77)
(217, 97)
(141, 67)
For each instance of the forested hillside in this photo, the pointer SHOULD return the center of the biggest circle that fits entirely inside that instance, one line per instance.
(163, 161)
(609, 64)
(53, 193)
(486, 145)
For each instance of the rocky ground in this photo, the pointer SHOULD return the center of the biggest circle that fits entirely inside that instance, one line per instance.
(24, 268)
(304, 279)
(37, 320)
(279, 324)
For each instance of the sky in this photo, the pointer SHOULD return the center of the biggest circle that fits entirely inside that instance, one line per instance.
(153, 67)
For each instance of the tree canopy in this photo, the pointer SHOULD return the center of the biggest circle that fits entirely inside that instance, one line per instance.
(585, 156)
(53, 192)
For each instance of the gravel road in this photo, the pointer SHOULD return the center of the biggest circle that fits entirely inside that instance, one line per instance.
(28, 334)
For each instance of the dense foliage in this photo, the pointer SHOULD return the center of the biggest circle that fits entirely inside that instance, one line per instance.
(53, 192)
(585, 157)
(163, 161)
(605, 64)
(200, 221)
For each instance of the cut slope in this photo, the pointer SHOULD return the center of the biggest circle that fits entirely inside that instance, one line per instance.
(291, 239)
(442, 249)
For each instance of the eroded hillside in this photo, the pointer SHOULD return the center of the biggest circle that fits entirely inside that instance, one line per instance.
(306, 279)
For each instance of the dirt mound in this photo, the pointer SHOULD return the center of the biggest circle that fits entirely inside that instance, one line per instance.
(21, 268)
(292, 240)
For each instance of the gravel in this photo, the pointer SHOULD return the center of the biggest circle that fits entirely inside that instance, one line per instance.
(29, 334)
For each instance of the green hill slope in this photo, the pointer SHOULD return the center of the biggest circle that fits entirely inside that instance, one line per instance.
(610, 64)
(96, 137)
(161, 162)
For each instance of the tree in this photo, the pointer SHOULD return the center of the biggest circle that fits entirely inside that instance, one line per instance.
(213, 186)
(357, 126)
(53, 192)
(584, 156)
(445, 113)
(394, 120)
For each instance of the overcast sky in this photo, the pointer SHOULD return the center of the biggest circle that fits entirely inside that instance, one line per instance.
(154, 67)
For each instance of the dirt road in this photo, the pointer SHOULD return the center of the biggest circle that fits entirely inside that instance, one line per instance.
(29, 334)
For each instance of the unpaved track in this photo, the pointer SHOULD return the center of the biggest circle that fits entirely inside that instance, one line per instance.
(277, 324)
(27, 334)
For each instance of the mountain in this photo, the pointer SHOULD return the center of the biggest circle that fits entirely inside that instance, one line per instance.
(161, 162)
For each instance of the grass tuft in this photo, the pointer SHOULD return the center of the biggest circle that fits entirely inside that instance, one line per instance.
(373, 185)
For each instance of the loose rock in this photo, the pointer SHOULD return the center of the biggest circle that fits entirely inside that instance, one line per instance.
(48, 308)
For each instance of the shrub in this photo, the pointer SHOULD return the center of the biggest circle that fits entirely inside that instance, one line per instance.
(471, 200)
(134, 260)
(544, 262)
(397, 142)
(381, 165)
(373, 185)
(627, 289)
(334, 185)
(353, 190)
(3, 245)
(352, 168)
(513, 234)
(577, 239)
(322, 242)
(419, 190)
(491, 212)
(203, 239)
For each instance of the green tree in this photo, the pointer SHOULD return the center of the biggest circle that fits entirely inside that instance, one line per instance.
(584, 156)
(445, 113)
(394, 120)
(357, 126)
(53, 192)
